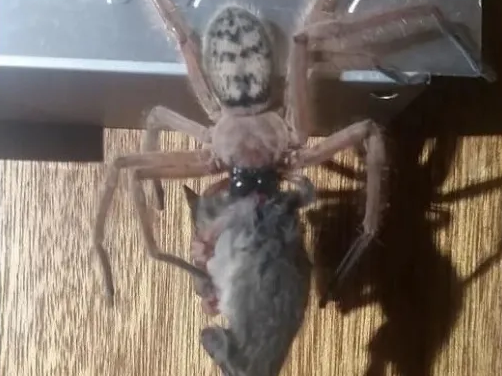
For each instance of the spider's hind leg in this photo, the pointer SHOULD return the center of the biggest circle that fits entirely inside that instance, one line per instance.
(190, 49)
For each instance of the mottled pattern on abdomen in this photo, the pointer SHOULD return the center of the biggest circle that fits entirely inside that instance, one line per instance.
(238, 58)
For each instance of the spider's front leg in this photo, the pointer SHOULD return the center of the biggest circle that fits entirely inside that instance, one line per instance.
(153, 166)
(354, 135)
(163, 119)
(190, 49)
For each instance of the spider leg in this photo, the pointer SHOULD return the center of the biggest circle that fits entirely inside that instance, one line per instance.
(375, 159)
(163, 119)
(408, 22)
(202, 248)
(190, 49)
(351, 136)
(298, 109)
(158, 165)
(355, 134)
(351, 39)
(138, 193)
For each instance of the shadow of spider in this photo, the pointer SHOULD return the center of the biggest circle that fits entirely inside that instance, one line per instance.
(416, 286)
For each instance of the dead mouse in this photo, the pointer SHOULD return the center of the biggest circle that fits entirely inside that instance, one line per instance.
(259, 276)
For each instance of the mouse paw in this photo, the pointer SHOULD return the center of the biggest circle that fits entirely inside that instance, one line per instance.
(201, 251)
(216, 343)
(205, 289)
(210, 306)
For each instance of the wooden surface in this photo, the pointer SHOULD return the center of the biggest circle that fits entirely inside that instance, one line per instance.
(435, 278)
(429, 314)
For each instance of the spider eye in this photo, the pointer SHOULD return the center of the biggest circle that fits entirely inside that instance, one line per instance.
(240, 188)
(247, 181)
(240, 185)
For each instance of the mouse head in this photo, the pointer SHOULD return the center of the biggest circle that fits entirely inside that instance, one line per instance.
(205, 209)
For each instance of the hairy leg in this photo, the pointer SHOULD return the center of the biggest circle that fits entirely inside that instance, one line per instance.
(176, 163)
(351, 39)
(203, 284)
(190, 48)
(163, 119)
(298, 108)
(354, 36)
(351, 136)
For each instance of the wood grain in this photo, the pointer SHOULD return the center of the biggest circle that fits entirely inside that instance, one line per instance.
(54, 320)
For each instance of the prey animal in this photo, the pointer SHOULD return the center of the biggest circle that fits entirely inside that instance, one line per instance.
(259, 276)
(260, 131)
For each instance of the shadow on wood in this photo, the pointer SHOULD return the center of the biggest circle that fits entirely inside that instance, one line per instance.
(417, 287)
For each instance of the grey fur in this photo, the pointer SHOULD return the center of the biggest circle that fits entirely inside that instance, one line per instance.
(261, 273)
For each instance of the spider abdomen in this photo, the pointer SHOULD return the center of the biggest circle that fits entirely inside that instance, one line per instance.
(238, 59)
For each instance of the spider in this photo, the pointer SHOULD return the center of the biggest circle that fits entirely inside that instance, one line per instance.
(254, 139)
